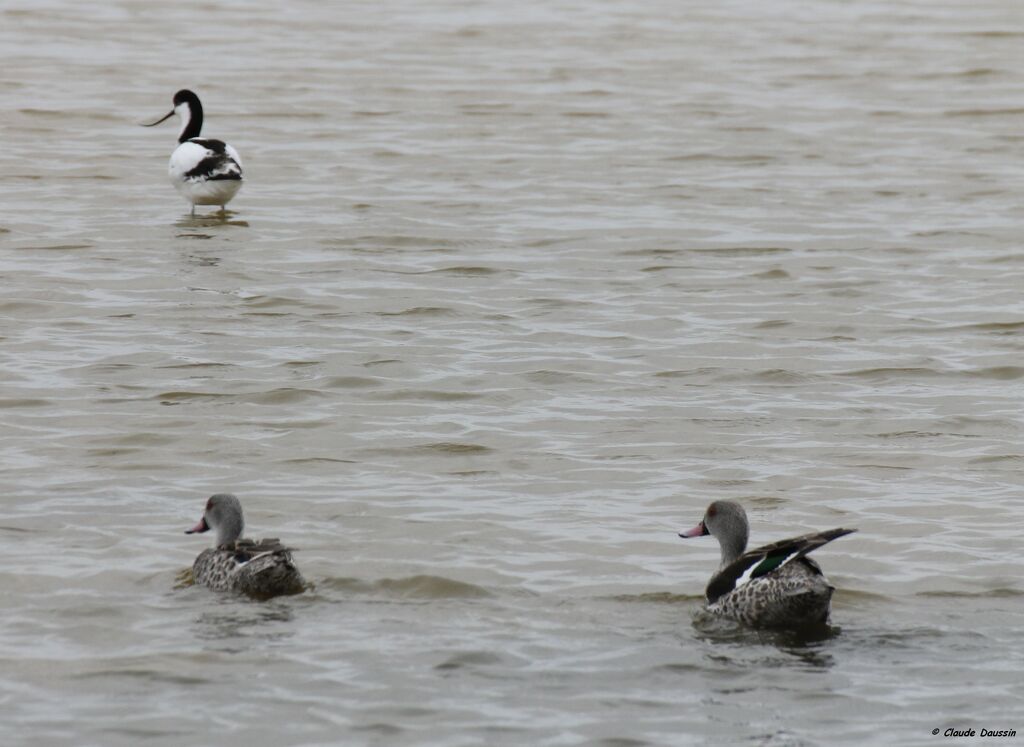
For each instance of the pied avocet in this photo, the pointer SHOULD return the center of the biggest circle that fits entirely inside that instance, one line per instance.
(203, 170)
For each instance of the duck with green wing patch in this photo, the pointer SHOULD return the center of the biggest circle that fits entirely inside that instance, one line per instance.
(775, 586)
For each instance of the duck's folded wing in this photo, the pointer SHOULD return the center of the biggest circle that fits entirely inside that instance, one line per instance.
(764, 560)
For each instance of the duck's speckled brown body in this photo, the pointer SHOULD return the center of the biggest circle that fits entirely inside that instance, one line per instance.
(259, 568)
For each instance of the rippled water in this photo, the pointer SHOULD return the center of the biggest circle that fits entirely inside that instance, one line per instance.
(510, 294)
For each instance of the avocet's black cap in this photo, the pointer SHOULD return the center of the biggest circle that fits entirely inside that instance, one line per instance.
(185, 96)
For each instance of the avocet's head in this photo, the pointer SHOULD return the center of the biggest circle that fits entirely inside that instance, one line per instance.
(186, 106)
(223, 514)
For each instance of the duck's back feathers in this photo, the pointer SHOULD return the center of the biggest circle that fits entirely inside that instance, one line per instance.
(248, 549)
(765, 560)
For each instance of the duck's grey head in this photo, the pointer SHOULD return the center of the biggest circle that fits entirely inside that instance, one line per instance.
(223, 514)
(726, 521)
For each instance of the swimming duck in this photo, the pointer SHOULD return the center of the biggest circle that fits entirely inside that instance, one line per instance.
(205, 171)
(773, 586)
(259, 568)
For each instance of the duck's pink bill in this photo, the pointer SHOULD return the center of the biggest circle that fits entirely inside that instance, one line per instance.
(698, 531)
(202, 526)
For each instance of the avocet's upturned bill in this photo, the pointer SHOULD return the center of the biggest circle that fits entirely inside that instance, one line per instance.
(204, 171)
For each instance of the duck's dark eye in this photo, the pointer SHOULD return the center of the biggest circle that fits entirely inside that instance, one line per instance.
(712, 511)
(209, 504)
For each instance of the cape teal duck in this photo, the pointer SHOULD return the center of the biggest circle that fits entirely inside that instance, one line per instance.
(259, 568)
(775, 586)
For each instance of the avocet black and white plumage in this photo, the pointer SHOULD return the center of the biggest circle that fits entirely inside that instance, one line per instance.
(203, 170)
